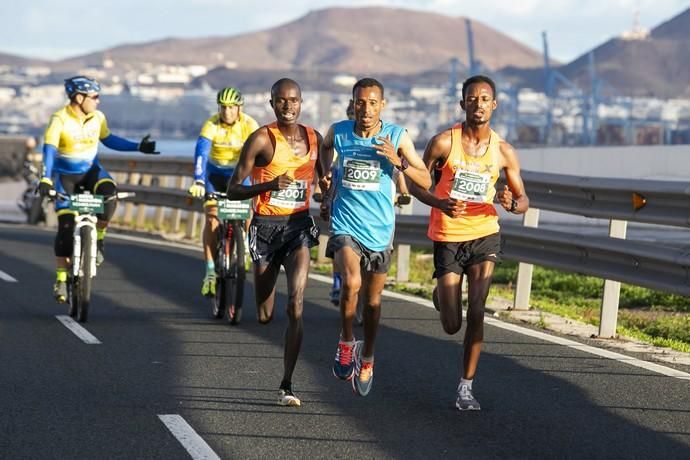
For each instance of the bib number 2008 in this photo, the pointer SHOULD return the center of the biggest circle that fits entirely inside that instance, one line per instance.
(468, 186)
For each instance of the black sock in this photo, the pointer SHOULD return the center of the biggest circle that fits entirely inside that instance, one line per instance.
(285, 385)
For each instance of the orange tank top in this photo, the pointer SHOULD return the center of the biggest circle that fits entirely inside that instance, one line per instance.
(470, 179)
(295, 198)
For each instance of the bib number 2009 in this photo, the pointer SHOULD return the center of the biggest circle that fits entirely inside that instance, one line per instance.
(361, 174)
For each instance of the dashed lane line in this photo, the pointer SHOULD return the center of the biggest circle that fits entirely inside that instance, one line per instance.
(190, 440)
(6, 277)
(78, 330)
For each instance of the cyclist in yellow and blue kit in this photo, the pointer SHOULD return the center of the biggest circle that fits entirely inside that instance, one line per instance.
(217, 151)
(70, 161)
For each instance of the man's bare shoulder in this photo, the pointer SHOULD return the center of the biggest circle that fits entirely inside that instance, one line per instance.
(441, 141)
(259, 137)
(506, 148)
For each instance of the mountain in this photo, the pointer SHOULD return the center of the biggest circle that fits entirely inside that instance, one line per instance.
(656, 66)
(14, 60)
(349, 40)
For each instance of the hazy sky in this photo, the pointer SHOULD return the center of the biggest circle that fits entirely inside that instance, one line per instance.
(54, 30)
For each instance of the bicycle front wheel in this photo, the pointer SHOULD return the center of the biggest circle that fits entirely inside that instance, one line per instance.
(218, 300)
(72, 297)
(83, 282)
(234, 282)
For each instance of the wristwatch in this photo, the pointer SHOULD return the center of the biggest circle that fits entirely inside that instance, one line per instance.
(404, 164)
(513, 205)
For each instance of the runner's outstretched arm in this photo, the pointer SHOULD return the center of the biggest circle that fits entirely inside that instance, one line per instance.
(256, 151)
(405, 159)
(436, 152)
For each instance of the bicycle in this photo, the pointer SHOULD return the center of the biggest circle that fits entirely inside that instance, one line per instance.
(82, 268)
(230, 263)
(31, 203)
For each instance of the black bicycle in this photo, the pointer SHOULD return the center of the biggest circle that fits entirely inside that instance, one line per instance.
(82, 268)
(230, 261)
(31, 203)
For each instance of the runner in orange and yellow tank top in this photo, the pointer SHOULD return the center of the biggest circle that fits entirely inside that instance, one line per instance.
(466, 161)
(295, 198)
(281, 158)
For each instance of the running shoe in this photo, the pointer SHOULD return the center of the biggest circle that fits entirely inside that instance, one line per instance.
(60, 291)
(288, 398)
(364, 372)
(465, 399)
(208, 285)
(343, 367)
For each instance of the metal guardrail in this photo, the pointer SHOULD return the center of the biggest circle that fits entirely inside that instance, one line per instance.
(666, 203)
(620, 200)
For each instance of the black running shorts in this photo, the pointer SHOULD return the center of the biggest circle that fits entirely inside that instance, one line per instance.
(273, 238)
(456, 257)
(370, 261)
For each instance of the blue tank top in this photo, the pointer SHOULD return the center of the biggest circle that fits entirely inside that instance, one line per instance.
(363, 204)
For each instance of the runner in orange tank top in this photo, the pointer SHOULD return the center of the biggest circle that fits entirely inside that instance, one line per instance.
(466, 161)
(281, 158)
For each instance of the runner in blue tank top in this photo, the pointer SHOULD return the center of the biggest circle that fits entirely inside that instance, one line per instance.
(371, 154)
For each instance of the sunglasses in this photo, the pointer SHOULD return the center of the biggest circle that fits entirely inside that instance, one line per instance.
(95, 97)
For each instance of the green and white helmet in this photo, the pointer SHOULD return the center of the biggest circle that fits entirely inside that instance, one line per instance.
(230, 96)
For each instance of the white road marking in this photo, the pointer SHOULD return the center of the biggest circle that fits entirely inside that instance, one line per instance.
(658, 368)
(663, 370)
(5, 277)
(78, 330)
(190, 440)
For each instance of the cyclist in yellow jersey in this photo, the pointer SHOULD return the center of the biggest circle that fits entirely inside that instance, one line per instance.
(217, 150)
(70, 163)
(466, 161)
(281, 158)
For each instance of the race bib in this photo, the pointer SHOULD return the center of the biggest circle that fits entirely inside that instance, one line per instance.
(293, 197)
(470, 186)
(361, 174)
(85, 203)
(234, 210)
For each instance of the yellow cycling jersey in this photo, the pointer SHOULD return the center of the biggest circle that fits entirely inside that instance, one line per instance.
(76, 139)
(227, 140)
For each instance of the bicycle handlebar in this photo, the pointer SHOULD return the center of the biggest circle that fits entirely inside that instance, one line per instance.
(217, 195)
(54, 194)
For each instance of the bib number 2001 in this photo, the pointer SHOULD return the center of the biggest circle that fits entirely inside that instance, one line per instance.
(295, 196)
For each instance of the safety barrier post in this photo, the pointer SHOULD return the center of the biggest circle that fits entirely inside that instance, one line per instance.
(159, 214)
(129, 206)
(523, 285)
(612, 289)
(176, 214)
(141, 209)
(403, 252)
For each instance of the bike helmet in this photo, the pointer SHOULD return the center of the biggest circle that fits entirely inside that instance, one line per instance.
(230, 96)
(81, 85)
